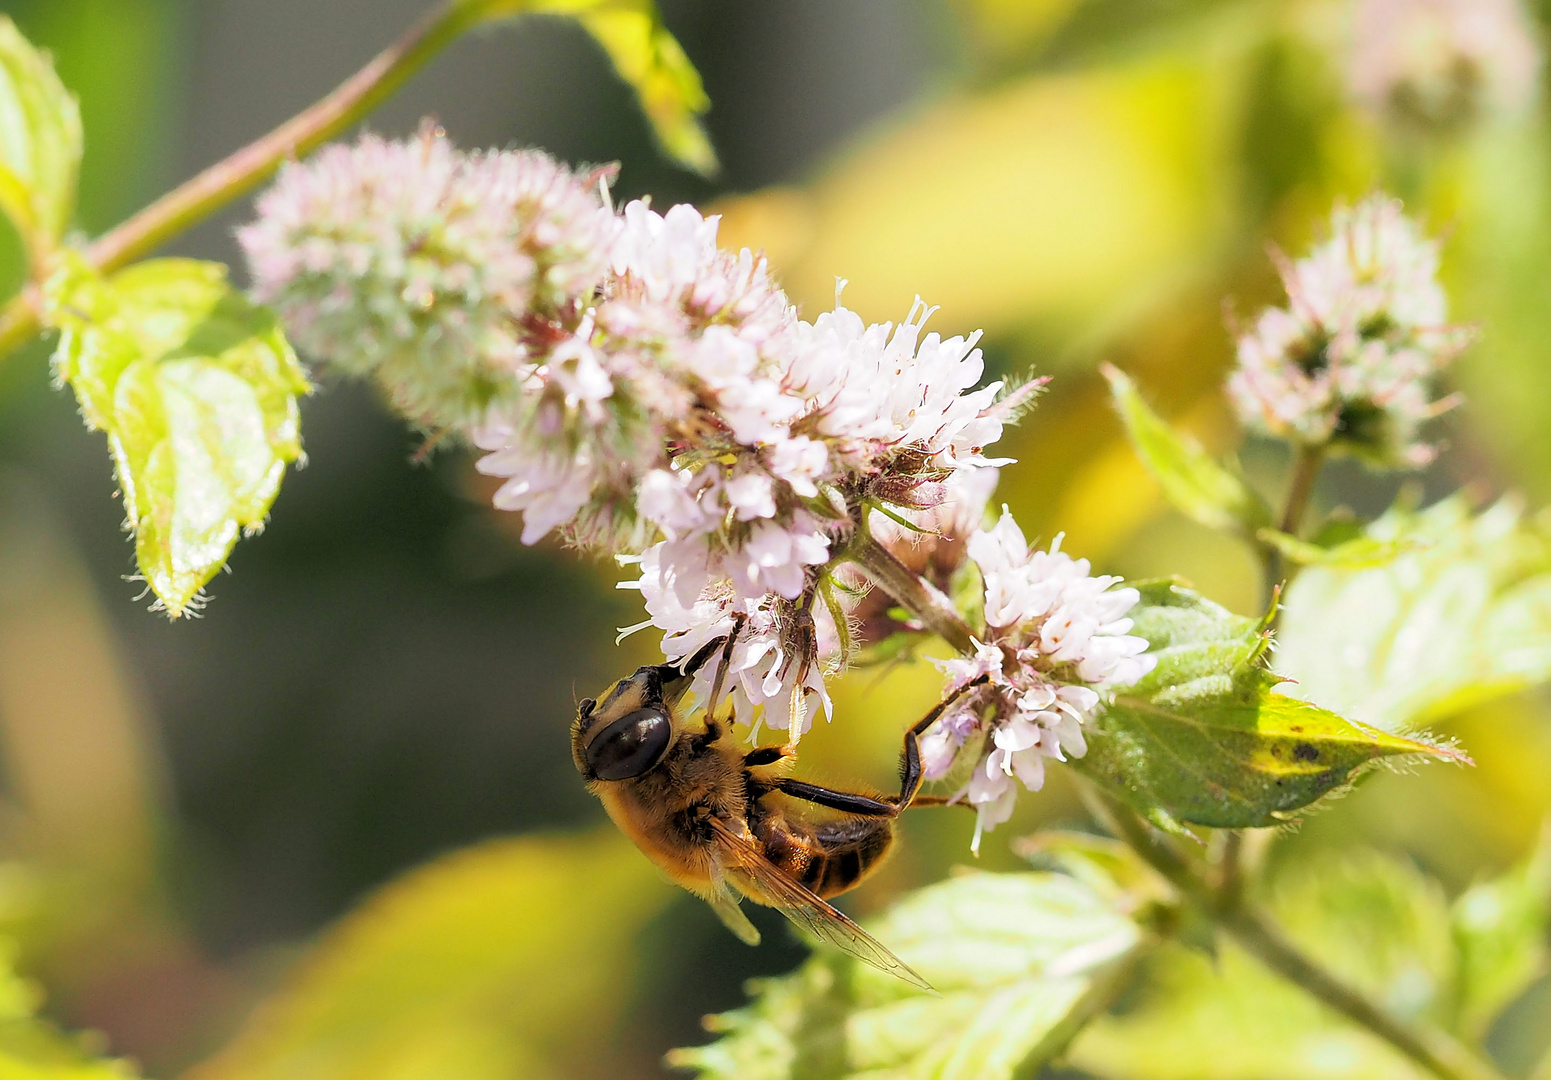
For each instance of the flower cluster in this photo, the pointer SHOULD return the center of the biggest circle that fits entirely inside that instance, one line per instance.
(1348, 364)
(782, 650)
(437, 272)
(638, 389)
(766, 431)
(1056, 639)
(1442, 63)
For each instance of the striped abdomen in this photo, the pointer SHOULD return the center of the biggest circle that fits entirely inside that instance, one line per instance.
(828, 857)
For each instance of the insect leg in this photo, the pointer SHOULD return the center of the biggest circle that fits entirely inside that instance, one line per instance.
(850, 802)
(766, 755)
(698, 660)
(723, 664)
(910, 775)
(939, 800)
(713, 732)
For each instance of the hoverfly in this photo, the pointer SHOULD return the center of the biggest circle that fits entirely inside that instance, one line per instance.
(722, 822)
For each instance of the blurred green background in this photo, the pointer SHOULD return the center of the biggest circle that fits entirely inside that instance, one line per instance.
(387, 676)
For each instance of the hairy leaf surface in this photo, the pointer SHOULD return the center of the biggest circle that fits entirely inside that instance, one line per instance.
(40, 142)
(1199, 486)
(197, 391)
(1020, 961)
(1206, 738)
(1462, 614)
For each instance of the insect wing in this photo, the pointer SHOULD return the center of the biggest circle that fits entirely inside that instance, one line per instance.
(809, 911)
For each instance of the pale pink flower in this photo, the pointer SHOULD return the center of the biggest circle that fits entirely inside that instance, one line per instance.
(780, 655)
(1443, 63)
(1350, 362)
(422, 266)
(1057, 640)
(548, 487)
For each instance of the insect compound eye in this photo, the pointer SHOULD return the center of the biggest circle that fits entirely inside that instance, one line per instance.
(630, 745)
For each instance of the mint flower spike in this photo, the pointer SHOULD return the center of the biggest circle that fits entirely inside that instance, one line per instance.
(1056, 642)
(782, 652)
(1443, 64)
(1349, 364)
(440, 274)
(638, 389)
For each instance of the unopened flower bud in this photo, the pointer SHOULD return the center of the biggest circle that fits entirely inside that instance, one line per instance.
(1349, 364)
(1442, 64)
(428, 268)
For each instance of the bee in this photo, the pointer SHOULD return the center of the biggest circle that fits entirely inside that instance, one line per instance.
(723, 822)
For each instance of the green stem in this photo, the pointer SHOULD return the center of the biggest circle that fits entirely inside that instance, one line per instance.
(1230, 867)
(248, 167)
(1429, 1047)
(1300, 491)
(919, 597)
(20, 321)
(1434, 1050)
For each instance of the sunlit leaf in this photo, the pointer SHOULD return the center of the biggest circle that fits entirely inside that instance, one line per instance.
(1107, 866)
(1020, 960)
(1199, 486)
(1012, 35)
(1064, 200)
(1462, 615)
(1204, 738)
(196, 388)
(1500, 210)
(1500, 928)
(1376, 922)
(31, 1049)
(40, 142)
(500, 961)
(1003, 30)
(1359, 553)
(647, 57)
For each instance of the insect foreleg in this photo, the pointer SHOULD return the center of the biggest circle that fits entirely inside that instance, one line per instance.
(723, 664)
(910, 775)
(766, 755)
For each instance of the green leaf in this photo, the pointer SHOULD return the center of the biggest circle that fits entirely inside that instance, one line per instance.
(1359, 553)
(1461, 615)
(1500, 929)
(1199, 486)
(504, 960)
(1107, 866)
(1021, 962)
(31, 1049)
(1377, 922)
(647, 57)
(40, 142)
(1206, 739)
(196, 389)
